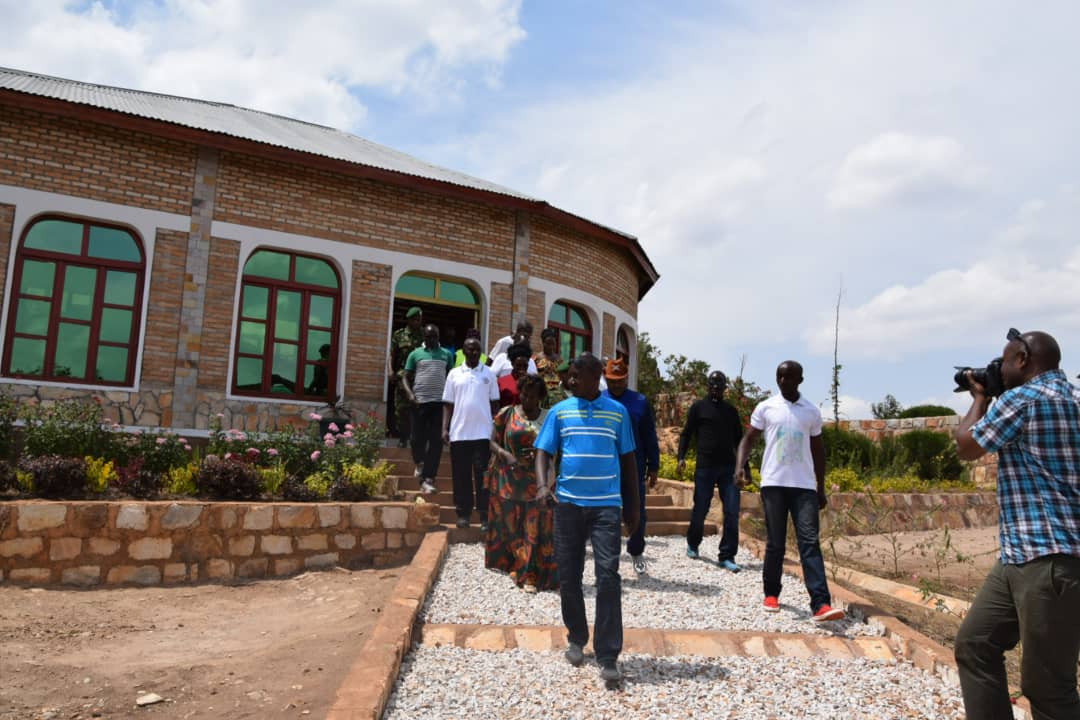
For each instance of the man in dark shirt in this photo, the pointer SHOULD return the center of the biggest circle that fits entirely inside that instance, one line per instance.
(716, 427)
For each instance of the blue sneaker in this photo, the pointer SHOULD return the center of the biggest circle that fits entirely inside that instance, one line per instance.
(730, 565)
(692, 553)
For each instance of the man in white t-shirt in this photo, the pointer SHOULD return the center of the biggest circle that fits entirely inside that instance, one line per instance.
(522, 334)
(470, 399)
(792, 483)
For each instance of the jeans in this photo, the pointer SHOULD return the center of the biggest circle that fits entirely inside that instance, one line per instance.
(635, 545)
(427, 437)
(574, 525)
(802, 505)
(722, 478)
(1038, 605)
(468, 462)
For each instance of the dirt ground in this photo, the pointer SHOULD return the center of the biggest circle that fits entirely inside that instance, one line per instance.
(266, 649)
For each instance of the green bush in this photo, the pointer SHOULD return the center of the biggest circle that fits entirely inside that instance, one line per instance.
(919, 411)
(932, 455)
(70, 428)
(180, 480)
(8, 416)
(669, 468)
(846, 448)
(359, 482)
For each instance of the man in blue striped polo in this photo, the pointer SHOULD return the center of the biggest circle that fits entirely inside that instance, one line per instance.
(597, 487)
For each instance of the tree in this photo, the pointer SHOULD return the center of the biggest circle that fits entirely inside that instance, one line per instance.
(834, 388)
(887, 409)
(650, 383)
(744, 394)
(685, 375)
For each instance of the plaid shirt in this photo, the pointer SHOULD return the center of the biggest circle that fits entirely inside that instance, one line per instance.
(1035, 429)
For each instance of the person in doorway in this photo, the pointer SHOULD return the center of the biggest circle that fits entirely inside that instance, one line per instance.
(714, 426)
(647, 448)
(596, 483)
(792, 483)
(424, 380)
(522, 334)
(470, 398)
(459, 357)
(1032, 594)
(448, 339)
(402, 342)
(520, 357)
(320, 376)
(521, 539)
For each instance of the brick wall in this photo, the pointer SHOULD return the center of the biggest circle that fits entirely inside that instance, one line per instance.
(271, 194)
(608, 344)
(572, 258)
(369, 308)
(148, 543)
(163, 316)
(7, 226)
(537, 315)
(83, 159)
(220, 312)
(499, 313)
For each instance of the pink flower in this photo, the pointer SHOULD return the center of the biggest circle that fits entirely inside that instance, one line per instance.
(253, 452)
(315, 416)
(187, 447)
(333, 427)
(330, 442)
(316, 455)
(328, 436)
(348, 433)
(228, 456)
(161, 441)
(221, 415)
(272, 452)
(350, 426)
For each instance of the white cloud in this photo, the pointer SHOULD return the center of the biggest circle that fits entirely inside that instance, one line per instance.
(303, 60)
(903, 169)
(851, 408)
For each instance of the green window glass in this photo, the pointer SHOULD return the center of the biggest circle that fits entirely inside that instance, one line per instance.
(577, 319)
(120, 288)
(456, 292)
(75, 314)
(316, 340)
(249, 373)
(287, 320)
(321, 311)
(270, 264)
(256, 301)
(575, 333)
(37, 278)
(252, 337)
(59, 236)
(113, 244)
(557, 314)
(416, 285)
(78, 298)
(315, 272)
(566, 343)
(284, 367)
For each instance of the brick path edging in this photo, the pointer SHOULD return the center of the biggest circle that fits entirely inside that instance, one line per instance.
(366, 688)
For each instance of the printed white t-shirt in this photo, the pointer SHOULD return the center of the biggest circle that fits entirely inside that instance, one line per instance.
(471, 390)
(788, 428)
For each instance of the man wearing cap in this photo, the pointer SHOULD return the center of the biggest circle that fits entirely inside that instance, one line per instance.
(714, 425)
(402, 343)
(647, 452)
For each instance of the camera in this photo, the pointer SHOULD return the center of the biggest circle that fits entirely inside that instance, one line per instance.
(989, 377)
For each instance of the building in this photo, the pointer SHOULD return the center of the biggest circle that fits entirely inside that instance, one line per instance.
(179, 258)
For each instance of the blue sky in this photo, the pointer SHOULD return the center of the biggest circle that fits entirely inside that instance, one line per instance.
(922, 156)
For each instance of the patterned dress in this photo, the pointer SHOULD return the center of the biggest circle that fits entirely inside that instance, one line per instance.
(521, 534)
(548, 369)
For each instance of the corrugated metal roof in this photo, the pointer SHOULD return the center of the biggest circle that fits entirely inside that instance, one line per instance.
(242, 123)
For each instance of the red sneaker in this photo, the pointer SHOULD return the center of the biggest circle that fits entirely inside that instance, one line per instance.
(825, 613)
(772, 604)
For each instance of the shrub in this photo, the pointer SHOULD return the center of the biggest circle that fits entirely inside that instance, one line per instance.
(273, 478)
(359, 482)
(295, 489)
(71, 428)
(931, 454)
(669, 468)
(53, 476)
(8, 478)
(231, 479)
(8, 415)
(161, 452)
(100, 474)
(845, 448)
(136, 481)
(918, 411)
(181, 480)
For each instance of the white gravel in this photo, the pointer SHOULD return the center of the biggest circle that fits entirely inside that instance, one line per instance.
(677, 593)
(452, 682)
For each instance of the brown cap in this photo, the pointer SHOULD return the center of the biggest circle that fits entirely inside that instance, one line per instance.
(616, 369)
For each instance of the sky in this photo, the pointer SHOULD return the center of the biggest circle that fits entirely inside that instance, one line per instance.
(918, 160)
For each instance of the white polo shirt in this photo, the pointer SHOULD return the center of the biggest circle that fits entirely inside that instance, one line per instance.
(471, 390)
(788, 428)
(501, 365)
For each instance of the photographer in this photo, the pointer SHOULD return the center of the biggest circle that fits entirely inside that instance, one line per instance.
(1032, 594)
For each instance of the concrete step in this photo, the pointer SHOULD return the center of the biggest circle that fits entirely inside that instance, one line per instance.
(472, 533)
(446, 497)
(447, 515)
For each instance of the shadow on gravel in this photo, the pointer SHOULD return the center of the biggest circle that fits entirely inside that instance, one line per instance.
(660, 671)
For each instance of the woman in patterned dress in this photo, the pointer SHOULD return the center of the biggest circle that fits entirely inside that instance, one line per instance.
(521, 531)
(547, 366)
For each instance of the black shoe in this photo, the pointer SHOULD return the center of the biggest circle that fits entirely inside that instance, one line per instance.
(611, 675)
(463, 522)
(574, 654)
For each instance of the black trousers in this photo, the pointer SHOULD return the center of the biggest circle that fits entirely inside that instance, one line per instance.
(427, 437)
(468, 462)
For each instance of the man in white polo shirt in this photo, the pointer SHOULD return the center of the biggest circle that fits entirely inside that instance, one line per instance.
(470, 398)
(792, 482)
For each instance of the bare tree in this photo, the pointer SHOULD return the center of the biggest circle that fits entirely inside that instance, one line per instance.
(834, 390)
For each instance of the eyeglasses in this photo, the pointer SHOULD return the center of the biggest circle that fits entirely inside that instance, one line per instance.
(1014, 335)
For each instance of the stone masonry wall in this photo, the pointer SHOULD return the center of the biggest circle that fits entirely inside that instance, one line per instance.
(148, 543)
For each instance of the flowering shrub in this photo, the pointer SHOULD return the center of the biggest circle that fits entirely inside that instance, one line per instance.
(180, 480)
(135, 480)
(359, 482)
(161, 452)
(100, 474)
(273, 478)
(54, 476)
(228, 479)
(8, 416)
(296, 489)
(70, 428)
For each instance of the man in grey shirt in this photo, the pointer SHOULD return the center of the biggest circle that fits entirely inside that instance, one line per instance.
(425, 378)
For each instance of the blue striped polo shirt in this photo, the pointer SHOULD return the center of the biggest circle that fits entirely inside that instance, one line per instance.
(591, 436)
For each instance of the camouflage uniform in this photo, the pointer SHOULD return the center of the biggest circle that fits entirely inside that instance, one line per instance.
(402, 342)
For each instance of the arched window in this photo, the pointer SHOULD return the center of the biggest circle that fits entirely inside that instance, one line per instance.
(575, 331)
(622, 344)
(290, 308)
(76, 296)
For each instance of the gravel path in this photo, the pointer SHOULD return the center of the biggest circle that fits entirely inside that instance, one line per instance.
(677, 594)
(457, 683)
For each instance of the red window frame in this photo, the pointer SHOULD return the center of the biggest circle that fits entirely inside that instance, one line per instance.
(573, 330)
(62, 262)
(306, 290)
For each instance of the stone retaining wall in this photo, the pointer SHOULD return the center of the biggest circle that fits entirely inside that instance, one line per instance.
(150, 543)
(860, 515)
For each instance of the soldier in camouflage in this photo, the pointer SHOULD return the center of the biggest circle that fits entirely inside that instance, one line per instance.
(402, 342)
